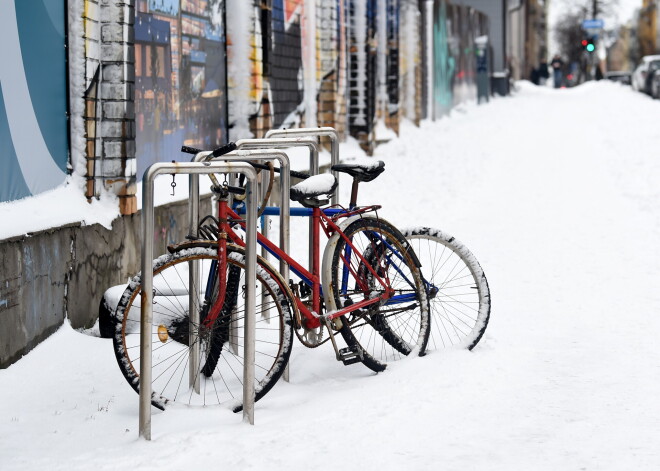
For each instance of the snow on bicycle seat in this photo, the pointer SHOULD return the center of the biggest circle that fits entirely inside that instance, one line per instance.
(307, 191)
(361, 172)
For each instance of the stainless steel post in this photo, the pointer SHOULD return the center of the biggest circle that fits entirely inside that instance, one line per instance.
(285, 183)
(284, 136)
(264, 146)
(250, 301)
(306, 132)
(146, 311)
(193, 295)
(256, 153)
(285, 143)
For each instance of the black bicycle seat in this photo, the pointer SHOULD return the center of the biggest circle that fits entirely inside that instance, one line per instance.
(361, 172)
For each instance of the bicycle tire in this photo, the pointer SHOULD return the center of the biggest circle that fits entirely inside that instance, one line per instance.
(170, 331)
(460, 309)
(383, 332)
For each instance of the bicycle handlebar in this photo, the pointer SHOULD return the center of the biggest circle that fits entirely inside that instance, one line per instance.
(222, 150)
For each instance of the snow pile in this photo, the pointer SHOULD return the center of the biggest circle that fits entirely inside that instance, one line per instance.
(555, 192)
(65, 204)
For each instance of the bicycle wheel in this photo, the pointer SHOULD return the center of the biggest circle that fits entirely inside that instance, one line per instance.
(392, 329)
(457, 289)
(220, 373)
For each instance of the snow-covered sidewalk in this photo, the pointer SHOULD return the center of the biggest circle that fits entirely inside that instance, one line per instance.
(555, 192)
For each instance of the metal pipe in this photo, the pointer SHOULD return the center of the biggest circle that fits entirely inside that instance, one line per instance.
(275, 135)
(285, 183)
(146, 310)
(284, 143)
(250, 302)
(321, 131)
(193, 304)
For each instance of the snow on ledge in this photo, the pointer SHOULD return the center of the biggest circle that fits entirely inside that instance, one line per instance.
(63, 205)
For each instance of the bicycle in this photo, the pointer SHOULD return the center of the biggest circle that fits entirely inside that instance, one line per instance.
(369, 282)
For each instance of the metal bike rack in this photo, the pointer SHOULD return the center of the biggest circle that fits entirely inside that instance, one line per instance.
(285, 182)
(146, 310)
(316, 132)
(284, 143)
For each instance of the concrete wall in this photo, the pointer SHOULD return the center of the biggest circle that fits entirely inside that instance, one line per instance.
(63, 272)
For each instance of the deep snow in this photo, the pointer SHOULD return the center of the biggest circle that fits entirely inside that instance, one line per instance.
(555, 192)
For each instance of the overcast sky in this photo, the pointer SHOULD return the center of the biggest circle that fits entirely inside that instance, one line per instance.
(624, 10)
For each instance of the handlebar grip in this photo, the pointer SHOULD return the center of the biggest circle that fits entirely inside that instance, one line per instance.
(224, 149)
(301, 175)
(237, 190)
(190, 150)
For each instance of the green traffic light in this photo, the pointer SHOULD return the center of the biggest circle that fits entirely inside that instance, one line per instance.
(591, 47)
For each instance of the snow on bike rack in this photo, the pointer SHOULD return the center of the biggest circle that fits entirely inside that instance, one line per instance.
(146, 310)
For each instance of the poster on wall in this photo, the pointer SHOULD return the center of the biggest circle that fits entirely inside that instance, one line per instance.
(180, 78)
(33, 94)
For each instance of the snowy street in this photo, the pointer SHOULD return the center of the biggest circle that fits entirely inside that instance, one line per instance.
(556, 194)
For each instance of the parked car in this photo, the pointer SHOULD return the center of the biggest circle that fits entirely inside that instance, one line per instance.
(620, 76)
(655, 85)
(643, 73)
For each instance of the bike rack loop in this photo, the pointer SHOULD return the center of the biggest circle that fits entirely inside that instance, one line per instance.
(146, 309)
(193, 217)
(284, 143)
(307, 132)
(285, 182)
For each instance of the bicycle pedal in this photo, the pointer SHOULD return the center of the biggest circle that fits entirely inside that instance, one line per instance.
(349, 356)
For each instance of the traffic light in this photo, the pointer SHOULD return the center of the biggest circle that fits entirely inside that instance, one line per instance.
(589, 44)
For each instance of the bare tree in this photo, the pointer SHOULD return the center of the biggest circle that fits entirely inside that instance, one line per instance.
(568, 35)
(589, 8)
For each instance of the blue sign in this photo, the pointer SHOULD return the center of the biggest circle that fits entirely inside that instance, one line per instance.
(593, 24)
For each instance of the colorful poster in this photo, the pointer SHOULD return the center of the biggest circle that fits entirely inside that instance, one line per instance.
(180, 78)
(33, 92)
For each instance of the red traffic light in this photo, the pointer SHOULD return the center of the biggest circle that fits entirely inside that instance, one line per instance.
(585, 42)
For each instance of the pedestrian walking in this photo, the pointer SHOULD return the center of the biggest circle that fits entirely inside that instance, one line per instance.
(557, 70)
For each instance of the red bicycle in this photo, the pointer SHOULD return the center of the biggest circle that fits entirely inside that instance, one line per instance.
(367, 286)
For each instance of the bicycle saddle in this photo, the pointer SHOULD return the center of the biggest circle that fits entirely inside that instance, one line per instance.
(361, 172)
(307, 191)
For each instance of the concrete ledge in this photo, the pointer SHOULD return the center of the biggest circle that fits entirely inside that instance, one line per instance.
(59, 273)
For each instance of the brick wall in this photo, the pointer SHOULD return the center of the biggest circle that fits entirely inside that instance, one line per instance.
(109, 109)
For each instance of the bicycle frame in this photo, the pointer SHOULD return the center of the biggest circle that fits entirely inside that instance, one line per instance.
(321, 219)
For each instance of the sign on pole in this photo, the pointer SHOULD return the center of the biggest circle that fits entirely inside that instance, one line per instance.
(593, 24)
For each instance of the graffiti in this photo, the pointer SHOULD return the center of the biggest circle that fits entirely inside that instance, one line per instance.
(444, 64)
(285, 78)
(180, 78)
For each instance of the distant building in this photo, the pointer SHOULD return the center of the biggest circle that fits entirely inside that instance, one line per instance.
(526, 36)
(647, 28)
(621, 55)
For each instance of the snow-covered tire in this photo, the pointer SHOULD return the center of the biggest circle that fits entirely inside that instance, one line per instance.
(170, 330)
(384, 332)
(460, 309)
